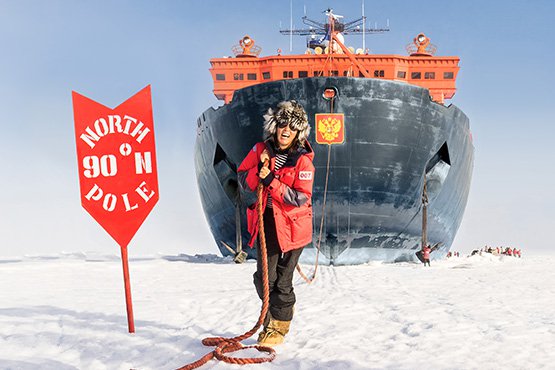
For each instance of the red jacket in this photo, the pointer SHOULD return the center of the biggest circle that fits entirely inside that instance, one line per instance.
(426, 252)
(291, 190)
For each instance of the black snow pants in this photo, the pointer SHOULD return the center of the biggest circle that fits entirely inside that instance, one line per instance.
(281, 267)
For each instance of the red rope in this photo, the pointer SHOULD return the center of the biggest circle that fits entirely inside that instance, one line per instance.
(228, 345)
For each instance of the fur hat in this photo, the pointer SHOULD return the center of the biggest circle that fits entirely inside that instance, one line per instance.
(287, 111)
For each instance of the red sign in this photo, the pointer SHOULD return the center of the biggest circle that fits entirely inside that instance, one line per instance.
(117, 162)
(330, 128)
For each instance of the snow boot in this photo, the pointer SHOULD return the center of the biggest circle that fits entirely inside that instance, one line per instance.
(274, 332)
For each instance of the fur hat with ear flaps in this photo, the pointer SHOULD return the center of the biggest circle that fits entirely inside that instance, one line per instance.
(287, 111)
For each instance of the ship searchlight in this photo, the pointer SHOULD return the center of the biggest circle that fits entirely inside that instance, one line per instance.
(246, 48)
(421, 46)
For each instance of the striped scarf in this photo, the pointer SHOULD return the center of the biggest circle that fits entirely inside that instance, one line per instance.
(280, 161)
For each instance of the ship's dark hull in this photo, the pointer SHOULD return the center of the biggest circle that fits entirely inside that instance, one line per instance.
(394, 134)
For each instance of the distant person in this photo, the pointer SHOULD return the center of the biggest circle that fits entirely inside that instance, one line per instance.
(283, 164)
(426, 255)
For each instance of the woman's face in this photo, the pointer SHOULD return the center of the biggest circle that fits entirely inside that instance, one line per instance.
(285, 136)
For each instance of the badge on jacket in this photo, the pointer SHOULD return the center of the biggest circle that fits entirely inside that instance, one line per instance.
(305, 175)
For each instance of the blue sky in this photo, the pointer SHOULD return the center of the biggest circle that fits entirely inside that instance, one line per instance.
(108, 51)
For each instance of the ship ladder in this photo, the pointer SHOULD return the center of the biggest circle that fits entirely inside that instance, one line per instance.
(424, 214)
(239, 256)
(227, 345)
(424, 205)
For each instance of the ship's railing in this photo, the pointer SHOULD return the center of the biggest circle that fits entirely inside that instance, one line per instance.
(238, 50)
(412, 49)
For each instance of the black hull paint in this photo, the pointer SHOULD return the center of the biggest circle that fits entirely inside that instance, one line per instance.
(394, 134)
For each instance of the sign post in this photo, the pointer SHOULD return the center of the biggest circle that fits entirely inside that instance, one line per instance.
(118, 177)
(127, 287)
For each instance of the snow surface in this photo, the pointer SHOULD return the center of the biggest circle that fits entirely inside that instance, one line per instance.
(484, 312)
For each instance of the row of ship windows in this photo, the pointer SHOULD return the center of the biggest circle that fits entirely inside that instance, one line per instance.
(427, 75)
(301, 74)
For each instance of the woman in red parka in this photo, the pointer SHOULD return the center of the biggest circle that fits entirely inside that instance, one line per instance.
(287, 177)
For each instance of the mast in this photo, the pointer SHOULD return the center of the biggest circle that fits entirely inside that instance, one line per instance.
(363, 29)
(291, 26)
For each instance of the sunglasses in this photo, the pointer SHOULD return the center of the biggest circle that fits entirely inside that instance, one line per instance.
(284, 125)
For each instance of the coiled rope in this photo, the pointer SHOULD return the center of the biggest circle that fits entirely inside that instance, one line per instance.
(228, 345)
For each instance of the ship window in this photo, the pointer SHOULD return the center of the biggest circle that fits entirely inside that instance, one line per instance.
(220, 76)
(379, 73)
(448, 75)
(429, 75)
(266, 75)
(287, 74)
(401, 74)
(345, 73)
(303, 74)
(251, 76)
(360, 74)
(317, 73)
(334, 73)
(238, 76)
(416, 75)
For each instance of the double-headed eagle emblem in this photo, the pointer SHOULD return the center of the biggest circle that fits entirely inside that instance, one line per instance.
(329, 128)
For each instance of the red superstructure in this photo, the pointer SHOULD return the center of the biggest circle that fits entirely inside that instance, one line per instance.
(437, 74)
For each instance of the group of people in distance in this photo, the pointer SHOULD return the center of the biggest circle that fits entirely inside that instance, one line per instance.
(498, 251)
(452, 254)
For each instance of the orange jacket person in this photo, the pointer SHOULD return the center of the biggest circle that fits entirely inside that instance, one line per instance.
(287, 208)
(426, 254)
